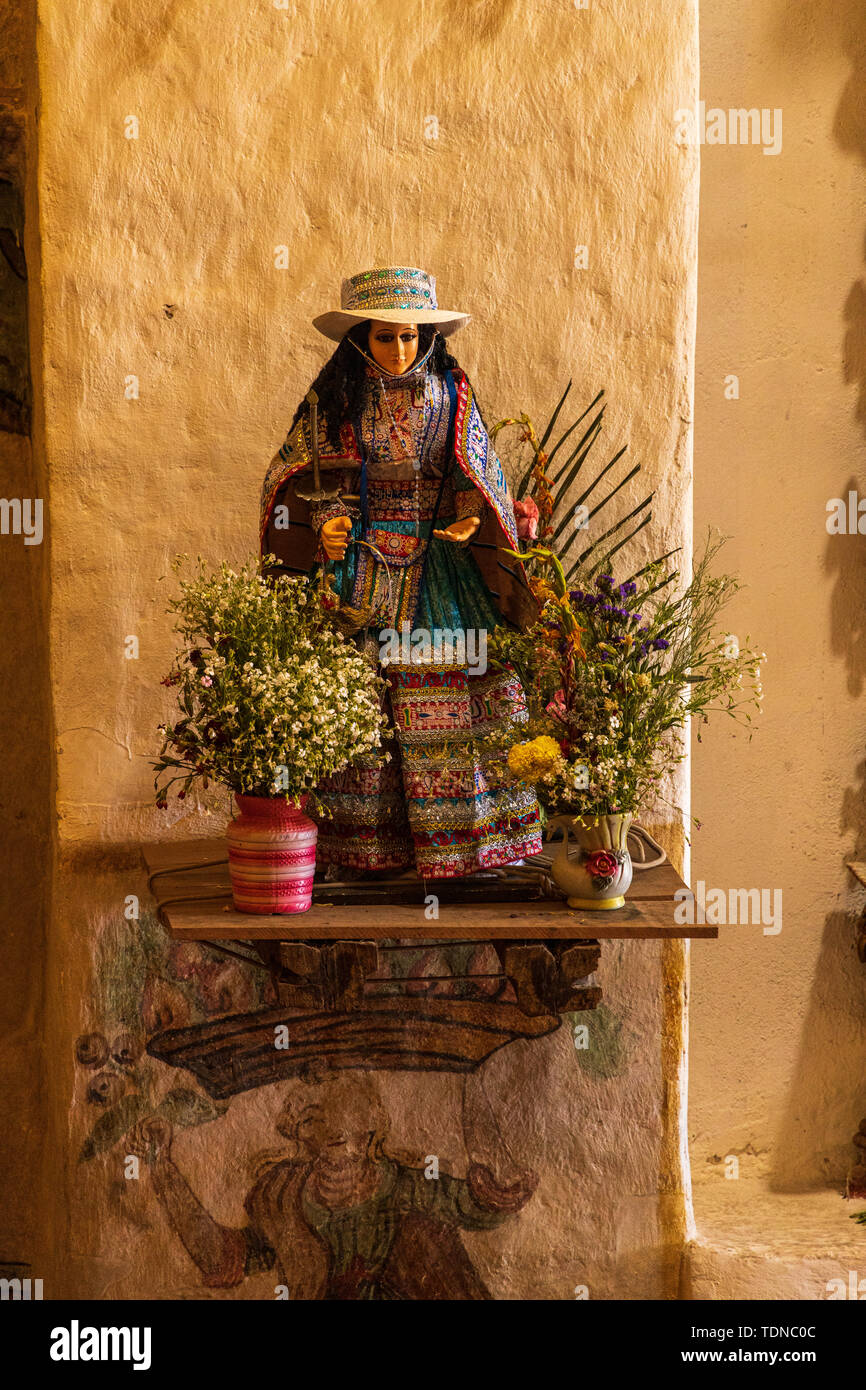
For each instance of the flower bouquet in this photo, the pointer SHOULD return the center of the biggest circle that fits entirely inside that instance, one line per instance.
(271, 700)
(613, 669)
(613, 673)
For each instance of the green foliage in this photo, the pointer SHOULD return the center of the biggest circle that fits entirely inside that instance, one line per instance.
(180, 1107)
(608, 1050)
(112, 1126)
(128, 953)
(550, 480)
(185, 1108)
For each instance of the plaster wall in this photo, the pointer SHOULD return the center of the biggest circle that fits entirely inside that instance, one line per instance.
(778, 1045)
(312, 128)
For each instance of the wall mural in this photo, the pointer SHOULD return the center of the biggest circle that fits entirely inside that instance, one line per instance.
(338, 1209)
(340, 1213)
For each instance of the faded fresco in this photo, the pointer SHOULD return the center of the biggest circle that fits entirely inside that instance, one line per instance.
(338, 1209)
(339, 1213)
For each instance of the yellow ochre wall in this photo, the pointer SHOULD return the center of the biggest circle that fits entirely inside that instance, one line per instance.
(778, 1046)
(311, 128)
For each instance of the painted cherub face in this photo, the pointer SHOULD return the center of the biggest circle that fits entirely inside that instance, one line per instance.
(338, 1126)
(393, 345)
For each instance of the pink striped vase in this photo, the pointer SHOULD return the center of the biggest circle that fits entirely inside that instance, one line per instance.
(272, 855)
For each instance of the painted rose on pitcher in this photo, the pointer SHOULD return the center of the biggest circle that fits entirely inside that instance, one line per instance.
(601, 865)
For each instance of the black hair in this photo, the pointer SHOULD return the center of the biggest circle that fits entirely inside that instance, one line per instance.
(342, 383)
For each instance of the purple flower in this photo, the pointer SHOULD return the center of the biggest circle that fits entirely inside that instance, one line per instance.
(604, 581)
(660, 645)
(628, 588)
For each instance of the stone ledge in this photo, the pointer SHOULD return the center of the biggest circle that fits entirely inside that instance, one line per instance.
(756, 1244)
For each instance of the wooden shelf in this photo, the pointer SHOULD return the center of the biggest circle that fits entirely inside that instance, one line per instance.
(648, 913)
(332, 985)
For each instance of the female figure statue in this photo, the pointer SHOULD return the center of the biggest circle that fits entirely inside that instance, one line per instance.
(387, 475)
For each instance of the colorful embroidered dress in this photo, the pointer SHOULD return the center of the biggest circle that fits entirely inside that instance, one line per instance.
(419, 460)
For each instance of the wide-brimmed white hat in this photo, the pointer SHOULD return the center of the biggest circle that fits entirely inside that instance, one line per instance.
(394, 294)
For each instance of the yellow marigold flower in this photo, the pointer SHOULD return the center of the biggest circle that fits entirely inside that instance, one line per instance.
(542, 591)
(537, 758)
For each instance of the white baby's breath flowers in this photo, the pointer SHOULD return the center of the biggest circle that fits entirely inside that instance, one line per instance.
(288, 702)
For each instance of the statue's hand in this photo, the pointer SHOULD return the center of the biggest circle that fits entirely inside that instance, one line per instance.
(334, 536)
(460, 530)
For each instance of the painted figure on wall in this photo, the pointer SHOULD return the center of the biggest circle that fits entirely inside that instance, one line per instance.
(411, 518)
(341, 1214)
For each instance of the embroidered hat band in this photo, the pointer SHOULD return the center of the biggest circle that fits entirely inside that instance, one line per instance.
(391, 294)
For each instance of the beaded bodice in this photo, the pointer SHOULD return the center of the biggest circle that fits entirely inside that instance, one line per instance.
(404, 430)
(395, 500)
(405, 421)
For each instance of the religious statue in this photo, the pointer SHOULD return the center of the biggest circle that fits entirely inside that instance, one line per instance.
(388, 490)
(339, 1214)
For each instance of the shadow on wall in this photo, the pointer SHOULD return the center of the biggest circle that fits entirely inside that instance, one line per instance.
(828, 1092)
(845, 564)
(837, 26)
(849, 132)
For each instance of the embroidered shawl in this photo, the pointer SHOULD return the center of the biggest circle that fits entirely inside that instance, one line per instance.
(289, 533)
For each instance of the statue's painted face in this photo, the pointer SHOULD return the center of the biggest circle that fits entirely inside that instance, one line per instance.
(393, 345)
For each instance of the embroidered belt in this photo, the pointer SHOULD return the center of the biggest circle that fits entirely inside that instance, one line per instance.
(396, 549)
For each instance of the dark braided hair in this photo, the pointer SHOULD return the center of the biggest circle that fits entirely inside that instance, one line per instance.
(341, 384)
